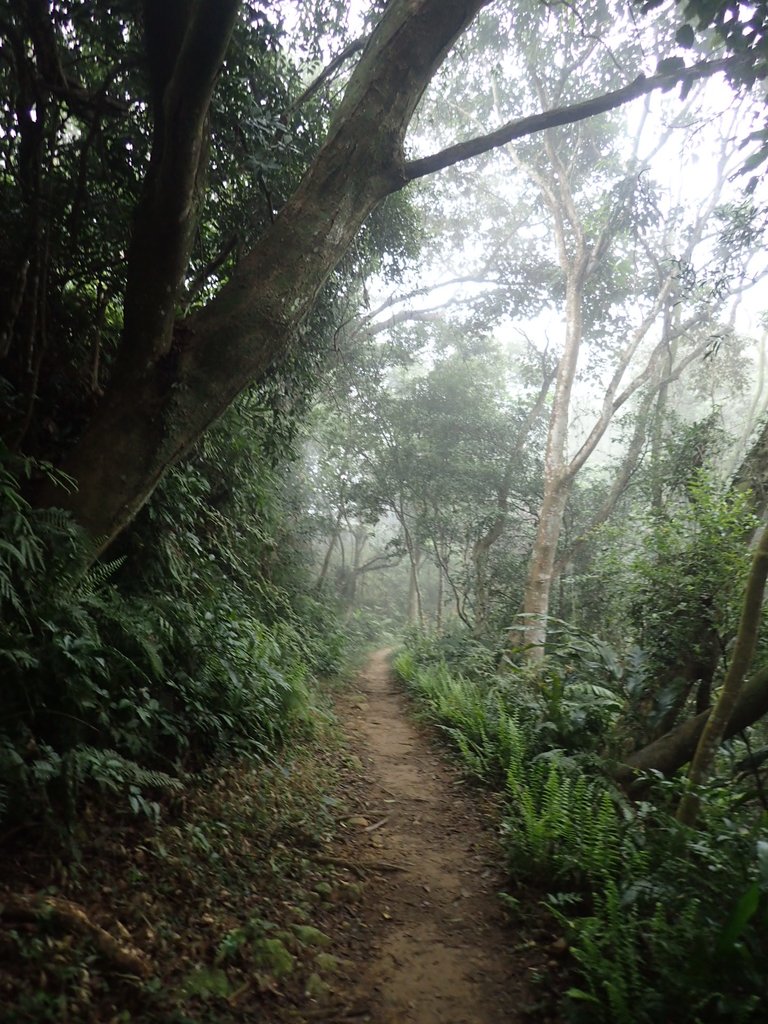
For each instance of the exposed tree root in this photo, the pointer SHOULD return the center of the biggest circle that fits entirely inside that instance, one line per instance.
(68, 916)
(359, 867)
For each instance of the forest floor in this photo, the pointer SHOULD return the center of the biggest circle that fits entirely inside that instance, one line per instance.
(356, 879)
(441, 950)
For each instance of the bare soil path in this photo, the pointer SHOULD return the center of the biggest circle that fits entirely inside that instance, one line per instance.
(439, 950)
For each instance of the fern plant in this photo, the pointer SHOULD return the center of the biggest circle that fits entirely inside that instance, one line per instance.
(609, 946)
(655, 935)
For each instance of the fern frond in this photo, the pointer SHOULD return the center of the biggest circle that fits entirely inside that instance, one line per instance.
(98, 575)
(115, 773)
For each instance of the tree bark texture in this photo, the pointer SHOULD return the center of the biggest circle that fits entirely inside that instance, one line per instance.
(168, 386)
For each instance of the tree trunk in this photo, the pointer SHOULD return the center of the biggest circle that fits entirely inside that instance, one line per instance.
(355, 585)
(541, 569)
(439, 599)
(482, 547)
(415, 607)
(169, 385)
(328, 553)
(480, 556)
(557, 483)
(743, 653)
(670, 752)
(657, 429)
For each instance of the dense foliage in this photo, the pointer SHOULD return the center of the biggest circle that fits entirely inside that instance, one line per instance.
(561, 410)
(659, 923)
(196, 637)
(141, 669)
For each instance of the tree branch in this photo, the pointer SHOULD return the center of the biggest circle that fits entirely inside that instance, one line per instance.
(524, 126)
(354, 47)
(167, 214)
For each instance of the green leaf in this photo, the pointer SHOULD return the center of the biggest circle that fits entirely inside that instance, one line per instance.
(206, 982)
(685, 36)
(754, 160)
(578, 993)
(740, 916)
(670, 66)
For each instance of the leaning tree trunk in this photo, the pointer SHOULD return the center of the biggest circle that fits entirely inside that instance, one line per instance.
(743, 653)
(172, 380)
(671, 752)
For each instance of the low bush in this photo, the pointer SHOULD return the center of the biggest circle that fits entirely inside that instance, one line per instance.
(121, 681)
(663, 924)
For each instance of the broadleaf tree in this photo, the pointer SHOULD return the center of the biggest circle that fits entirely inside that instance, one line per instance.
(156, 70)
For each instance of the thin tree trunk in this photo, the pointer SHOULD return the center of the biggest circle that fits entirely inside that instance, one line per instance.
(670, 752)
(657, 430)
(459, 599)
(743, 653)
(415, 607)
(440, 587)
(480, 556)
(329, 552)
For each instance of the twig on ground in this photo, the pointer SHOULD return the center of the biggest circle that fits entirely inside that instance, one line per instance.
(359, 867)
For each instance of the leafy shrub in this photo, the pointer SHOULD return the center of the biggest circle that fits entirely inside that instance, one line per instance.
(121, 680)
(663, 925)
(686, 587)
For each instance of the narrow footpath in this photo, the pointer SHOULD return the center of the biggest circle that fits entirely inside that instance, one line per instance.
(440, 950)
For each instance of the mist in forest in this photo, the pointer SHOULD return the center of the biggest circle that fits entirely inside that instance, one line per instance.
(428, 336)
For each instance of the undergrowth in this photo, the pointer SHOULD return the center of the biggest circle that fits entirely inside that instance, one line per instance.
(662, 924)
(124, 678)
(224, 898)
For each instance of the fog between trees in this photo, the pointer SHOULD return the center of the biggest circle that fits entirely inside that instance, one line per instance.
(442, 322)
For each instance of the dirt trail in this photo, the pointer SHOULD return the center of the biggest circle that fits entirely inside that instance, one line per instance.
(440, 952)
